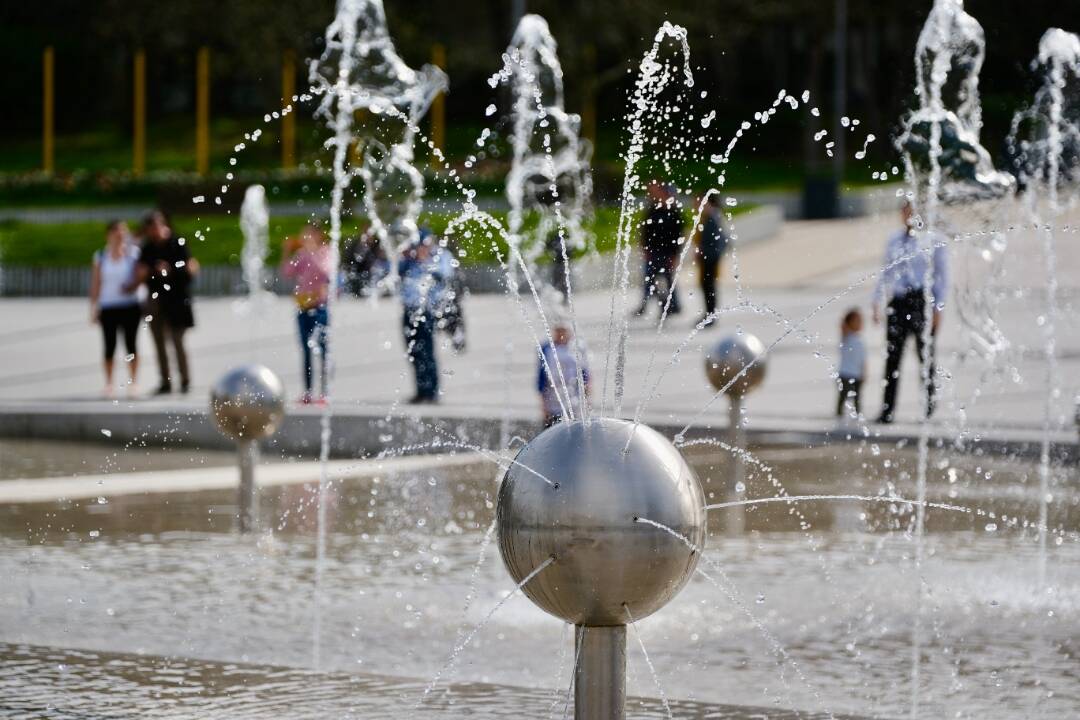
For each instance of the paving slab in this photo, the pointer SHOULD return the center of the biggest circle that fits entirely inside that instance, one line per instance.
(790, 291)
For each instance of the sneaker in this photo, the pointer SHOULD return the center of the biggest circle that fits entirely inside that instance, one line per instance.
(707, 321)
(458, 341)
(184, 387)
(163, 389)
(640, 310)
(884, 419)
(305, 398)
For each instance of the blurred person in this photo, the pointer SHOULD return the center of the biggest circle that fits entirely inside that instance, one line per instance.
(660, 237)
(167, 269)
(114, 299)
(557, 375)
(364, 263)
(424, 271)
(557, 246)
(307, 260)
(852, 368)
(451, 311)
(712, 244)
(901, 289)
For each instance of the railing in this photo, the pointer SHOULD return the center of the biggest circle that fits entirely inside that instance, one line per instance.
(17, 281)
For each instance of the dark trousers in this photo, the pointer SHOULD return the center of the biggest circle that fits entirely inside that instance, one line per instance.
(708, 267)
(166, 333)
(850, 388)
(558, 276)
(419, 328)
(313, 333)
(659, 276)
(906, 316)
(126, 319)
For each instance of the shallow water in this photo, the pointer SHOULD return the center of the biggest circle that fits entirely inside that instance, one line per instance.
(29, 458)
(78, 684)
(163, 575)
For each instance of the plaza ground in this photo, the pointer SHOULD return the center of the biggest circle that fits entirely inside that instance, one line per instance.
(793, 289)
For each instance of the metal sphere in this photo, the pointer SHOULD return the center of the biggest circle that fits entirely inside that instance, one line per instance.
(588, 518)
(729, 356)
(248, 402)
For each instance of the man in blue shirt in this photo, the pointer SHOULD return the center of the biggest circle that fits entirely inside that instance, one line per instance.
(911, 263)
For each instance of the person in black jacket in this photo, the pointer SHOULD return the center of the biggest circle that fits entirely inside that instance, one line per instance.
(712, 243)
(661, 235)
(167, 269)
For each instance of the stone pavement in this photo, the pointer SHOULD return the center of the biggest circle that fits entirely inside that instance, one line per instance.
(993, 374)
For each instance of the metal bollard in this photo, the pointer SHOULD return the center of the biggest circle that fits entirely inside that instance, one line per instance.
(723, 363)
(248, 405)
(622, 514)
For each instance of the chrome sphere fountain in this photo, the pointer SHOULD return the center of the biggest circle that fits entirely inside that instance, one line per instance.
(587, 494)
(248, 405)
(731, 356)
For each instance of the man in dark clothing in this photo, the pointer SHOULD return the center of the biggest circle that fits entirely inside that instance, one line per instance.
(167, 269)
(911, 263)
(660, 238)
(712, 244)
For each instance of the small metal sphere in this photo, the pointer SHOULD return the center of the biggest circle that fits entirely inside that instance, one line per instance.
(729, 356)
(248, 402)
(588, 516)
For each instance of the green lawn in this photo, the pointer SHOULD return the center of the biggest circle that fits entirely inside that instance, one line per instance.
(93, 166)
(73, 244)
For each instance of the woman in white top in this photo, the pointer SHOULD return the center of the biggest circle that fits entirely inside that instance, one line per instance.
(114, 300)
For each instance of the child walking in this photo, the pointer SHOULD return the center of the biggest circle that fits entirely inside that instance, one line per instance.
(852, 361)
(557, 377)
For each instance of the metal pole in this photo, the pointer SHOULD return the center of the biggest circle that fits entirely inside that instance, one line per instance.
(840, 95)
(138, 164)
(438, 105)
(48, 110)
(202, 111)
(288, 119)
(588, 105)
(600, 674)
(247, 452)
(736, 516)
(517, 11)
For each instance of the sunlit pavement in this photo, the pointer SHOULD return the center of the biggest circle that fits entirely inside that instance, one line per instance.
(798, 284)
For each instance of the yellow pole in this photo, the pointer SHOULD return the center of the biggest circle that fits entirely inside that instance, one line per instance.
(288, 120)
(47, 111)
(138, 165)
(438, 105)
(588, 108)
(202, 111)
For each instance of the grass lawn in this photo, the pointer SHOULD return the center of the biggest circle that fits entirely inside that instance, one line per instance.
(73, 244)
